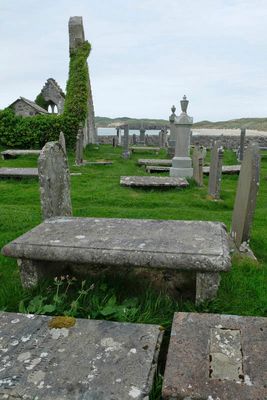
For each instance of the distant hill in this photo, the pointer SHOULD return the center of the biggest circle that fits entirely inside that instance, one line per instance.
(259, 124)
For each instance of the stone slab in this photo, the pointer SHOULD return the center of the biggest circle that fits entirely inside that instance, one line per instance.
(145, 148)
(98, 360)
(116, 242)
(18, 172)
(226, 169)
(97, 163)
(181, 172)
(216, 357)
(15, 153)
(157, 168)
(152, 181)
(155, 162)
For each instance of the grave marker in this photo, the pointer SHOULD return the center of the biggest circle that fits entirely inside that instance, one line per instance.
(62, 141)
(198, 166)
(126, 153)
(79, 147)
(215, 176)
(242, 144)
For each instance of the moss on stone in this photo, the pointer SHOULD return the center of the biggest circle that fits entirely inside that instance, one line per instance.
(61, 322)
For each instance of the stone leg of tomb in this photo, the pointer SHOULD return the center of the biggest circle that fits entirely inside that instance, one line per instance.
(207, 285)
(33, 271)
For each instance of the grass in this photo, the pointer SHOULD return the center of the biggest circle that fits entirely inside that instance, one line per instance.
(97, 193)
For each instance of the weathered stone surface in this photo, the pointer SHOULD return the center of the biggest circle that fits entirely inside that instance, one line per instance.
(215, 175)
(98, 360)
(245, 200)
(79, 147)
(15, 153)
(147, 148)
(226, 169)
(242, 144)
(142, 135)
(155, 161)
(97, 163)
(54, 95)
(152, 181)
(216, 357)
(18, 172)
(54, 180)
(198, 166)
(62, 142)
(126, 152)
(155, 168)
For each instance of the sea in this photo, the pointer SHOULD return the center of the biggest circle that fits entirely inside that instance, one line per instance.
(112, 131)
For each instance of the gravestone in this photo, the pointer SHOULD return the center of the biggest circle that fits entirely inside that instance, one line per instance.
(146, 140)
(126, 153)
(54, 178)
(134, 139)
(172, 139)
(115, 141)
(79, 147)
(242, 144)
(181, 162)
(152, 181)
(215, 175)
(62, 141)
(197, 166)
(245, 200)
(142, 135)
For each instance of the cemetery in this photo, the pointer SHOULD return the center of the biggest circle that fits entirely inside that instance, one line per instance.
(128, 278)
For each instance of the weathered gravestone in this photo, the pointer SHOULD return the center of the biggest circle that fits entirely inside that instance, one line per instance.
(215, 176)
(134, 139)
(115, 141)
(79, 147)
(146, 140)
(62, 142)
(73, 359)
(54, 177)
(171, 141)
(242, 144)
(216, 357)
(142, 135)
(197, 166)
(126, 153)
(247, 189)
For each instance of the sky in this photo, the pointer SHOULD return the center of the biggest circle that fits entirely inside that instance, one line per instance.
(146, 54)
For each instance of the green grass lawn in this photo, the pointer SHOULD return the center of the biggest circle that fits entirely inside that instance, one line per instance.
(97, 193)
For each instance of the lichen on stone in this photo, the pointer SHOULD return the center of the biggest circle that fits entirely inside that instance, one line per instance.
(61, 322)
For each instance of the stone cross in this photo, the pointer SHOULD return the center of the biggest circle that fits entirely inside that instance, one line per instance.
(62, 141)
(242, 144)
(245, 200)
(126, 152)
(54, 178)
(215, 175)
(198, 166)
(79, 147)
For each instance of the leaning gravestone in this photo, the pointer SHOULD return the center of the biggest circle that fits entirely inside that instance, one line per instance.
(197, 166)
(215, 176)
(62, 141)
(242, 144)
(79, 147)
(54, 177)
(245, 201)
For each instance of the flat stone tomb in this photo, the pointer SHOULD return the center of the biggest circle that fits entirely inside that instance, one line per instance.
(157, 168)
(82, 243)
(226, 169)
(155, 161)
(152, 181)
(216, 357)
(100, 359)
(15, 153)
(19, 172)
(97, 163)
(144, 148)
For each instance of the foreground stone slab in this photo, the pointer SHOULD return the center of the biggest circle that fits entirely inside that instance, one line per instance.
(89, 360)
(155, 161)
(15, 153)
(145, 148)
(18, 172)
(219, 357)
(76, 245)
(151, 181)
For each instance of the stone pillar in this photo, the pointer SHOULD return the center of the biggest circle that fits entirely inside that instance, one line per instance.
(146, 140)
(62, 142)
(182, 163)
(54, 178)
(126, 152)
(119, 136)
(245, 200)
(115, 141)
(79, 147)
(171, 142)
(215, 175)
(142, 136)
(134, 139)
(161, 138)
(242, 144)
(198, 166)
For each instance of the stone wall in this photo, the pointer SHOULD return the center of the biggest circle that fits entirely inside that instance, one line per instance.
(228, 142)
(24, 109)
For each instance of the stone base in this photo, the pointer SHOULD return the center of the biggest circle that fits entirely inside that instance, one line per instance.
(181, 172)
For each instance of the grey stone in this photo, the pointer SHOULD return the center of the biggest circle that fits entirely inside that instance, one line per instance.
(77, 245)
(126, 152)
(213, 356)
(152, 181)
(242, 144)
(18, 172)
(215, 174)
(226, 169)
(207, 286)
(155, 168)
(54, 180)
(15, 153)
(54, 95)
(142, 136)
(134, 139)
(79, 147)
(245, 201)
(155, 161)
(147, 148)
(62, 142)
(97, 163)
(96, 360)
(26, 108)
(198, 166)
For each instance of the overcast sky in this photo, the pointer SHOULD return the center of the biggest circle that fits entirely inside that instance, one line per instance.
(146, 54)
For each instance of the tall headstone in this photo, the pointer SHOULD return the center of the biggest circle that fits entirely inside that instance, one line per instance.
(54, 178)
(171, 142)
(119, 136)
(215, 175)
(79, 147)
(197, 166)
(242, 144)
(134, 139)
(76, 38)
(142, 135)
(245, 200)
(126, 152)
(182, 163)
(62, 141)
(146, 140)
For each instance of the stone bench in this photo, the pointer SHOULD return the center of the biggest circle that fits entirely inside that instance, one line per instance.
(144, 148)
(216, 357)
(86, 359)
(74, 245)
(15, 153)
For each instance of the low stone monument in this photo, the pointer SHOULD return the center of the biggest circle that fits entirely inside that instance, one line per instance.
(62, 141)
(171, 142)
(198, 166)
(182, 163)
(215, 175)
(54, 178)
(79, 147)
(247, 189)
(126, 153)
